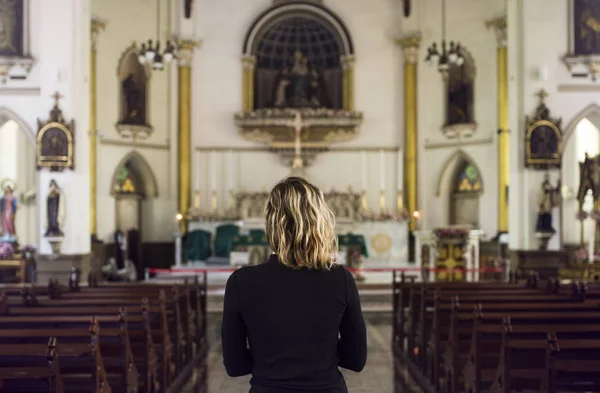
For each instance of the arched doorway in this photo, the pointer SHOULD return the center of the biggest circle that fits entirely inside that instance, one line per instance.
(133, 185)
(460, 187)
(18, 174)
(581, 137)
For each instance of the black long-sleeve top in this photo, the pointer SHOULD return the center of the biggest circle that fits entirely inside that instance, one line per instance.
(292, 328)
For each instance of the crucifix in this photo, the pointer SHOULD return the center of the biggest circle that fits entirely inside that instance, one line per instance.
(56, 97)
(542, 94)
(298, 162)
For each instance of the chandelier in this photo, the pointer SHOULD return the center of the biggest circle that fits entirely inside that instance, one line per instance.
(446, 55)
(150, 52)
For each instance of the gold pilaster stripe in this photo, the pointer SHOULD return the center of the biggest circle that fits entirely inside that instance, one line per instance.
(184, 136)
(96, 27)
(184, 143)
(248, 63)
(382, 201)
(410, 46)
(499, 25)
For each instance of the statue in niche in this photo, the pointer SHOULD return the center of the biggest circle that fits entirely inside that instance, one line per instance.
(586, 27)
(55, 212)
(8, 209)
(300, 86)
(11, 26)
(459, 108)
(548, 198)
(133, 102)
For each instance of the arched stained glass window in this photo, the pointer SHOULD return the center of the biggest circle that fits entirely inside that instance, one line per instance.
(125, 182)
(468, 180)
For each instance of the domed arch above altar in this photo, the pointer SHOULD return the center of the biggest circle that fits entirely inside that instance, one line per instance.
(298, 79)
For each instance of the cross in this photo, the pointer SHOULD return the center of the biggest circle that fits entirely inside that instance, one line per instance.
(542, 94)
(56, 97)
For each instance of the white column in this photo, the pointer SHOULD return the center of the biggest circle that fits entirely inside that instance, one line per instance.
(364, 169)
(213, 171)
(381, 170)
(64, 65)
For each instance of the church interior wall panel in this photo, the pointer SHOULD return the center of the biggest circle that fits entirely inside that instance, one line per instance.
(218, 70)
(158, 213)
(466, 24)
(64, 67)
(544, 41)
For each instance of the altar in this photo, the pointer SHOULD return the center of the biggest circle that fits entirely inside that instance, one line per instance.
(237, 238)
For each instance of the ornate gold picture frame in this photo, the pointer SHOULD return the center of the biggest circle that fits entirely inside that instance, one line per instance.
(543, 138)
(55, 141)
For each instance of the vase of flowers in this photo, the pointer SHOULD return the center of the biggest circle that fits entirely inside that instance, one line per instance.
(28, 251)
(6, 251)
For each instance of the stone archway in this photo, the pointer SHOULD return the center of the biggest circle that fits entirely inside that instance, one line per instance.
(18, 167)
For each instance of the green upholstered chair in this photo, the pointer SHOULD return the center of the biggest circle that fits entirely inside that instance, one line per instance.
(224, 239)
(196, 245)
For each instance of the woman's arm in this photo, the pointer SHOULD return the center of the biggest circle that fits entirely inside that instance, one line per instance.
(353, 333)
(236, 355)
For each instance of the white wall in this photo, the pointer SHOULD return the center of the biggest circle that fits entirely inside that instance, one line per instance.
(465, 24)
(60, 64)
(217, 90)
(538, 38)
(159, 150)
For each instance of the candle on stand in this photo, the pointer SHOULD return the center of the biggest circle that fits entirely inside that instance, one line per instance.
(196, 170)
(364, 170)
(213, 167)
(230, 174)
(381, 170)
(400, 170)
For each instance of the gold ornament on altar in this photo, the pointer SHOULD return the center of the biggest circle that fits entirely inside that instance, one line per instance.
(381, 243)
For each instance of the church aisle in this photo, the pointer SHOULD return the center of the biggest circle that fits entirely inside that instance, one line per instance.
(377, 377)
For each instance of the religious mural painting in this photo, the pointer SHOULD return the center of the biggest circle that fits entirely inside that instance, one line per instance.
(586, 27)
(55, 140)
(543, 138)
(12, 28)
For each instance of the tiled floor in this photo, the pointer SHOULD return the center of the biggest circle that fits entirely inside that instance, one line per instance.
(377, 377)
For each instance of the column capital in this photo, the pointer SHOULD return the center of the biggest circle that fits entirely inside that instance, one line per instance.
(499, 25)
(248, 61)
(185, 51)
(96, 27)
(410, 46)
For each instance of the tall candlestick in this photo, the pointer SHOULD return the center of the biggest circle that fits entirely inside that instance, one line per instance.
(400, 179)
(230, 174)
(364, 170)
(213, 167)
(196, 170)
(381, 170)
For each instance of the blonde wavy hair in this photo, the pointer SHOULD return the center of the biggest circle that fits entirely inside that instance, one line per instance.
(300, 228)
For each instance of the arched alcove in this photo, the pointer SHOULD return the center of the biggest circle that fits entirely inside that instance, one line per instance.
(581, 137)
(302, 56)
(18, 172)
(459, 188)
(133, 89)
(136, 163)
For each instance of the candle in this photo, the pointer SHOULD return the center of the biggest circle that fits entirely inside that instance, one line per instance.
(381, 170)
(400, 174)
(230, 174)
(196, 170)
(364, 170)
(213, 165)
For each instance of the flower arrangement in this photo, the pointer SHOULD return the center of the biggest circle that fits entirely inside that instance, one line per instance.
(6, 251)
(291, 113)
(28, 248)
(581, 215)
(383, 216)
(582, 255)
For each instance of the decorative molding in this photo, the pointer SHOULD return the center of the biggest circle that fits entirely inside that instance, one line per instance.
(18, 91)
(97, 26)
(500, 28)
(15, 68)
(572, 88)
(134, 131)
(185, 51)
(410, 47)
(371, 149)
(459, 143)
(462, 130)
(155, 146)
